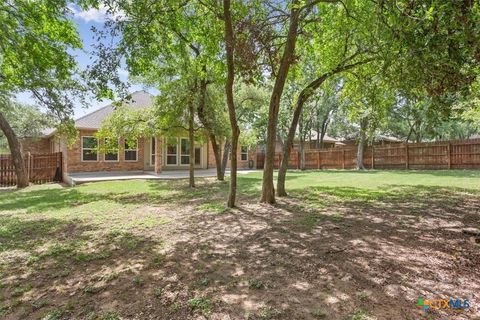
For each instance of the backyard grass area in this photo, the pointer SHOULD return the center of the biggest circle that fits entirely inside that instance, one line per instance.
(343, 245)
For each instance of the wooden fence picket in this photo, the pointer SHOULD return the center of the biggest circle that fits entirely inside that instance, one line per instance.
(454, 154)
(41, 168)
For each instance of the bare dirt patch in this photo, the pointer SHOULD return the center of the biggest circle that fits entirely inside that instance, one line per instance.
(322, 253)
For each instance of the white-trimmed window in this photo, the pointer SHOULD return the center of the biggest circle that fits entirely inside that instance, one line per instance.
(111, 150)
(172, 151)
(184, 151)
(89, 148)
(131, 150)
(244, 153)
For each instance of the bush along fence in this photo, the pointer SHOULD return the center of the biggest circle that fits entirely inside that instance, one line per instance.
(41, 168)
(453, 154)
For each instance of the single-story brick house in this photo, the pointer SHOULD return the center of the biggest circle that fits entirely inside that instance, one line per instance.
(149, 154)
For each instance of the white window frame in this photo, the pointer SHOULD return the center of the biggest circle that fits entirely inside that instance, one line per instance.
(181, 154)
(125, 150)
(171, 154)
(105, 153)
(243, 153)
(82, 148)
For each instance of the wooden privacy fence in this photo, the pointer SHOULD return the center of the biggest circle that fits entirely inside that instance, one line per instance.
(41, 168)
(454, 154)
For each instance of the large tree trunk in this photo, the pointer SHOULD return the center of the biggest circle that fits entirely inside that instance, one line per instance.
(191, 139)
(268, 191)
(229, 45)
(226, 152)
(361, 144)
(208, 127)
(15, 152)
(218, 157)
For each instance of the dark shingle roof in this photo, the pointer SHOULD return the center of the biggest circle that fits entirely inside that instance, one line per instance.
(93, 120)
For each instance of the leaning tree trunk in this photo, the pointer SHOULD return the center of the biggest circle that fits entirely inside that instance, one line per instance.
(361, 144)
(282, 171)
(15, 152)
(268, 190)
(230, 45)
(302, 144)
(191, 139)
(226, 152)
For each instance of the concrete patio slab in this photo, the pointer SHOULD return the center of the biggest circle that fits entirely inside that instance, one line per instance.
(84, 177)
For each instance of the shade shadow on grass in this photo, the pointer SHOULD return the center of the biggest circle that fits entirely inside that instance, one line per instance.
(17, 233)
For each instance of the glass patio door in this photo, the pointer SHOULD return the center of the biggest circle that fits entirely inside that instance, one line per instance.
(152, 151)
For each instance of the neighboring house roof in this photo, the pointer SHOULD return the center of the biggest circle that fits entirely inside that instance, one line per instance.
(381, 137)
(326, 138)
(474, 136)
(93, 120)
(378, 137)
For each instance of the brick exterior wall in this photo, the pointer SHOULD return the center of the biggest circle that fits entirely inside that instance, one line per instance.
(36, 145)
(74, 161)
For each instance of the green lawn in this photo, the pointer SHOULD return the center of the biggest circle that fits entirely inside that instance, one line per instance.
(157, 249)
(375, 179)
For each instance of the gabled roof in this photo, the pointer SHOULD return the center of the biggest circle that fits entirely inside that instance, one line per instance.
(93, 120)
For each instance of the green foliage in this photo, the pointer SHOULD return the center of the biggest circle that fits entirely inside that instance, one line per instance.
(35, 37)
(434, 45)
(130, 124)
(367, 98)
(25, 120)
(200, 304)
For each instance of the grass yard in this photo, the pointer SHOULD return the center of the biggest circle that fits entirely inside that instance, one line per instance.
(344, 245)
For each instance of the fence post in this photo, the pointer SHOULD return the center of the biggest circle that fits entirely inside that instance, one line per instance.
(343, 159)
(29, 166)
(449, 151)
(407, 165)
(373, 157)
(318, 159)
(298, 160)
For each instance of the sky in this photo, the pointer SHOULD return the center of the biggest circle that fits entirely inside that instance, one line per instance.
(85, 20)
